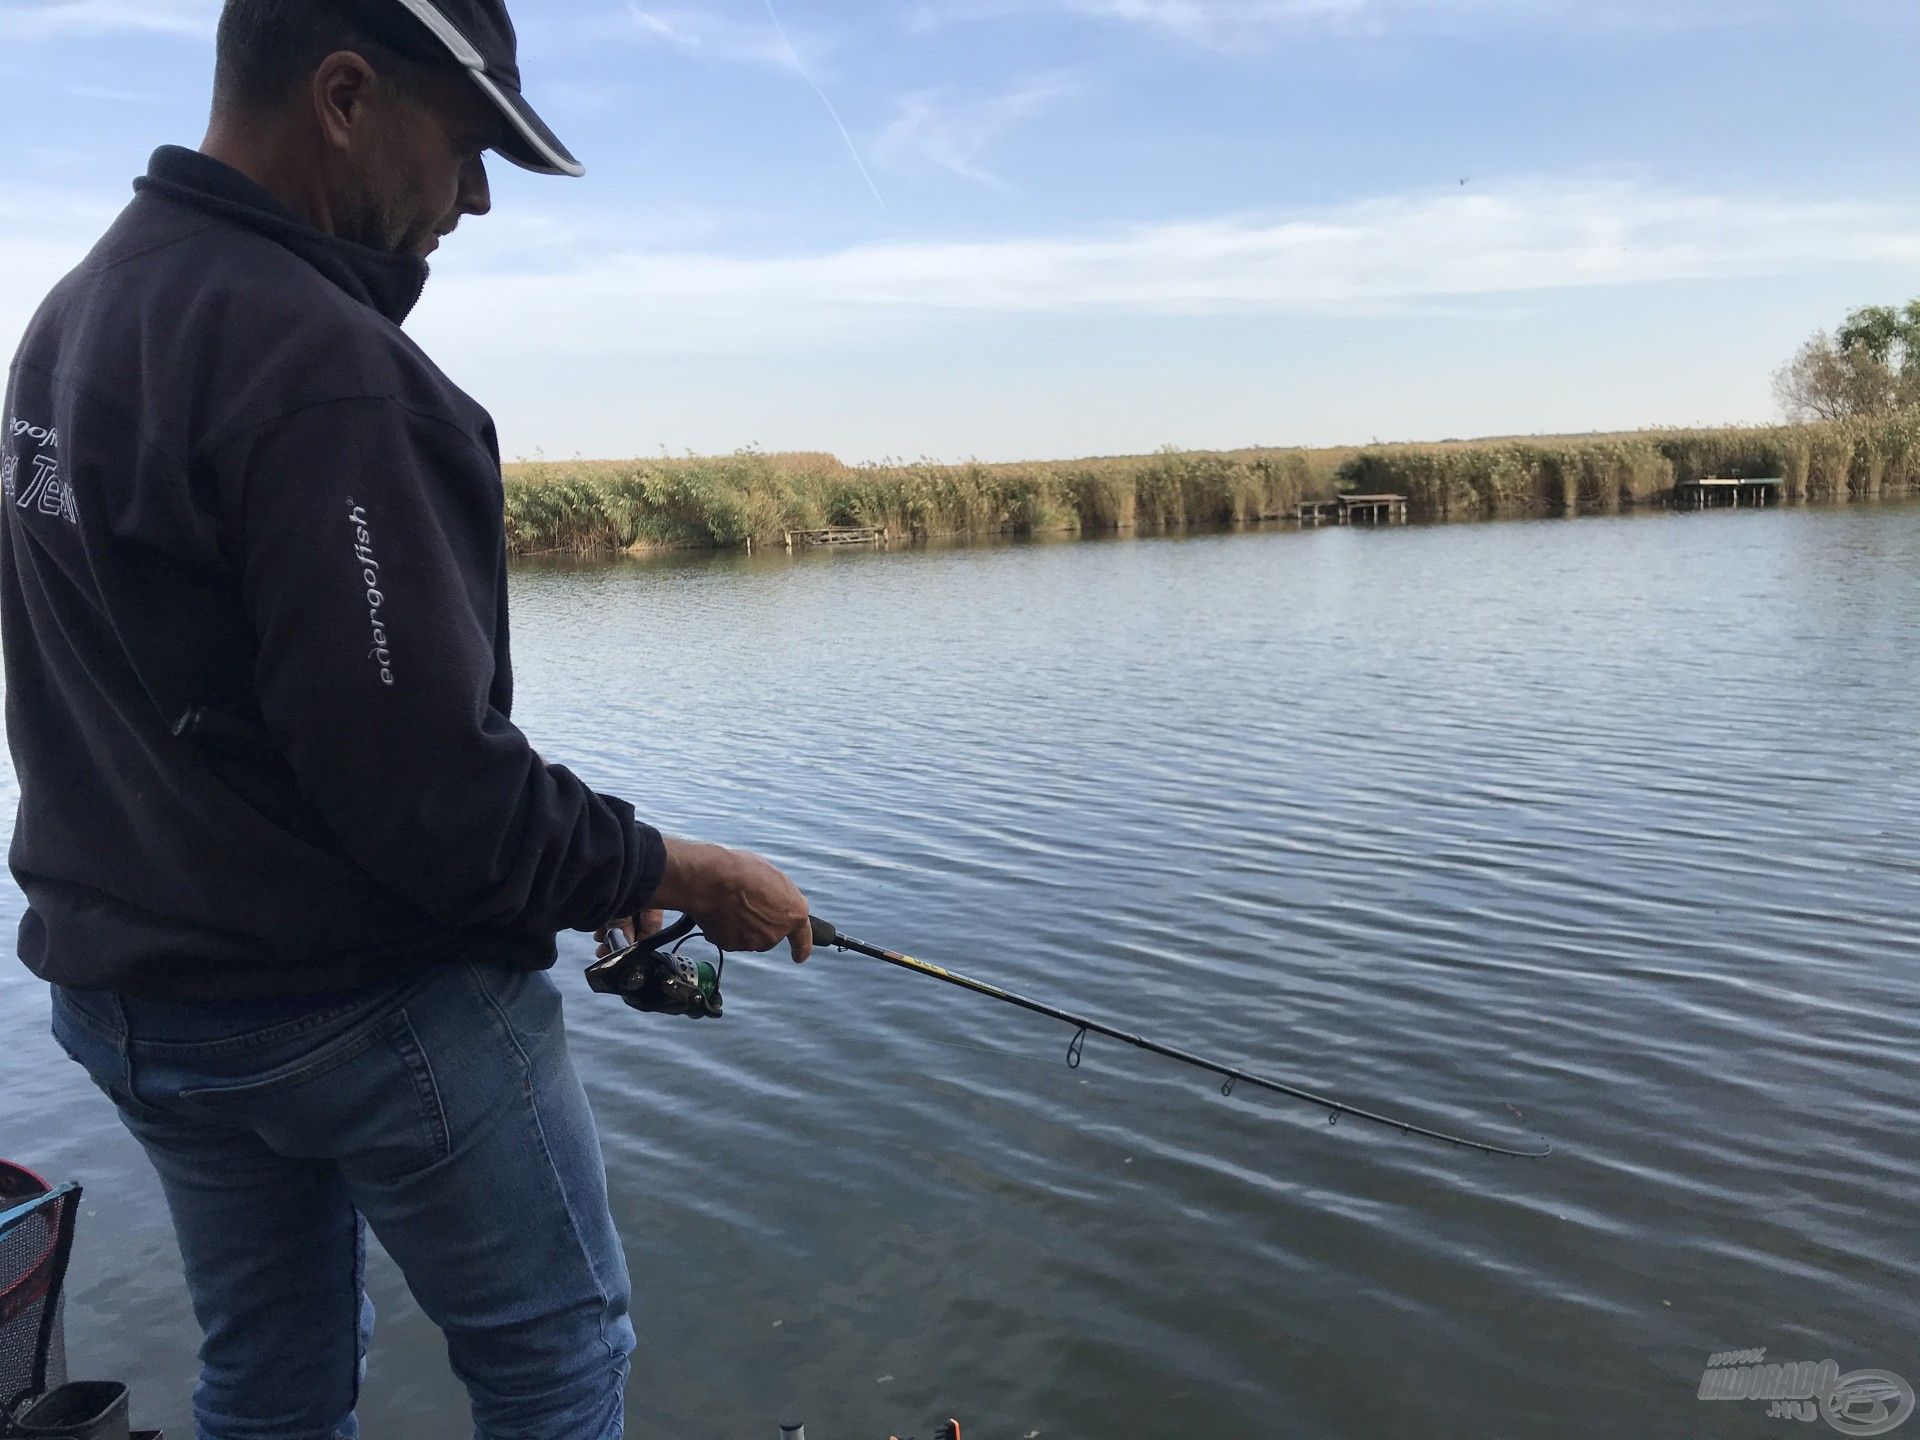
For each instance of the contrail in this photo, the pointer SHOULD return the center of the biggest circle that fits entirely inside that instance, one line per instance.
(801, 66)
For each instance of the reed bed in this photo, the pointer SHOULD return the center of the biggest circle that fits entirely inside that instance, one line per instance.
(728, 500)
(756, 496)
(1843, 460)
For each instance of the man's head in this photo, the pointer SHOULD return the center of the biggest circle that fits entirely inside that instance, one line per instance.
(376, 111)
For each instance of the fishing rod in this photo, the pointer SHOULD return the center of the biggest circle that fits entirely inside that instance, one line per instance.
(651, 975)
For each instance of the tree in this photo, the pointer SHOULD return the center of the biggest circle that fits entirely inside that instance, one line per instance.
(1869, 366)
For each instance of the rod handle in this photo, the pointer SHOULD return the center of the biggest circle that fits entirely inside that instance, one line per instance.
(823, 933)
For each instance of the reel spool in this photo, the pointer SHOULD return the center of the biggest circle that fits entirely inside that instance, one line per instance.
(659, 980)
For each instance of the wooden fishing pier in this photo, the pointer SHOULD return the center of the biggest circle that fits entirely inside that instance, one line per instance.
(1727, 492)
(1354, 510)
(838, 535)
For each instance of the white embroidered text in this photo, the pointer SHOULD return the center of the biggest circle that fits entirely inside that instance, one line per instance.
(382, 652)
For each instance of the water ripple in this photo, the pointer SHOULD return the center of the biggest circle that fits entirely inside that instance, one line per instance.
(1607, 829)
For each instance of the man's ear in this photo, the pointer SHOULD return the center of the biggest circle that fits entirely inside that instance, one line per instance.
(342, 87)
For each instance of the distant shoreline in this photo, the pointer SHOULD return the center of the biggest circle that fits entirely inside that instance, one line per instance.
(726, 502)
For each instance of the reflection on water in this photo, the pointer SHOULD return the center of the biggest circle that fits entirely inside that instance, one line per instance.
(1612, 824)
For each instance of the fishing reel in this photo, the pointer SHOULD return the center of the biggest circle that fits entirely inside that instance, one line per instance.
(653, 976)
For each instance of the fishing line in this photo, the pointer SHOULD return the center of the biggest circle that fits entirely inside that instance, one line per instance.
(800, 66)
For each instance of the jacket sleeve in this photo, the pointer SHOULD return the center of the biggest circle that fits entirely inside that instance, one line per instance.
(370, 545)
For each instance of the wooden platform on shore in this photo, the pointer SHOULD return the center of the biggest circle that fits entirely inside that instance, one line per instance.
(1733, 492)
(838, 535)
(1354, 510)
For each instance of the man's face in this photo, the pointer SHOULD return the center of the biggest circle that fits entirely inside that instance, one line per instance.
(421, 171)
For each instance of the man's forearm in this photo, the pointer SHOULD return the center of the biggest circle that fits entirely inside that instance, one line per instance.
(688, 883)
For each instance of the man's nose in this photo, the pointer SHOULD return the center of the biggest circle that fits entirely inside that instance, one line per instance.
(476, 195)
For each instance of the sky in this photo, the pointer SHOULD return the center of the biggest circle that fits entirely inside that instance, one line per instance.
(1006, 229)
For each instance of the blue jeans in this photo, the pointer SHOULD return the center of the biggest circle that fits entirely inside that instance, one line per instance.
(444, 1111)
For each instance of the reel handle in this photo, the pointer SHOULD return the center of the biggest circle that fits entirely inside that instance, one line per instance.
(613, 974)
(677, 931)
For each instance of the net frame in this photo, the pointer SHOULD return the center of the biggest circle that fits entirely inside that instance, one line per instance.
(32, 1352)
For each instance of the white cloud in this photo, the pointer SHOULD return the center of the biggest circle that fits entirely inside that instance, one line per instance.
(1229, 22)
(1207, 19)
(773, 43)
(955, 132)
(537, 309)
(58, 19)
(1361, 258)
(113, 94)
(719, 37)
(43, 234)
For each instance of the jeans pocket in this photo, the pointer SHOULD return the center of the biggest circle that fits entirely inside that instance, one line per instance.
(366, 1099)
(92, 1044)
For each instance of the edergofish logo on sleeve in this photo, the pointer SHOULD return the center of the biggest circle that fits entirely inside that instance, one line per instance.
(382, 652)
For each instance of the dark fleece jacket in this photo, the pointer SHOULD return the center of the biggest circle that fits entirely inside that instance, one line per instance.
(254, 607)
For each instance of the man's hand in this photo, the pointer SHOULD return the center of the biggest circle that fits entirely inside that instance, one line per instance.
(739, 901)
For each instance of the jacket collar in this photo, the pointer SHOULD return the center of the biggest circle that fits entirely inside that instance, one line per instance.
(388, 283)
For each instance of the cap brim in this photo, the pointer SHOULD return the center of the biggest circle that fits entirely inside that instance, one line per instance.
(529, 142)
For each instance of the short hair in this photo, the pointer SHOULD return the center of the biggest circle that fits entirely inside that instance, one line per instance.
(266, 49)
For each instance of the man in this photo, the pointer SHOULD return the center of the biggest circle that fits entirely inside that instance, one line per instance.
(294, 874)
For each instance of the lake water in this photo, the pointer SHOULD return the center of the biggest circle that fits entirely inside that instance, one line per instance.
(1608, 829)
